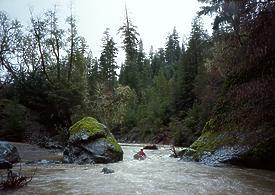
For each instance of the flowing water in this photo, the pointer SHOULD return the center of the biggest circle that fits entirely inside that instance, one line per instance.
(158, 174)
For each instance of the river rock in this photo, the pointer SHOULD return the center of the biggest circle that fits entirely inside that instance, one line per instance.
(48, 143)
(150, 147)
(222, 155)
(5, 164)
(43, 162)
(8, 152)
(186, 152)
(106, 170)
(91, 142)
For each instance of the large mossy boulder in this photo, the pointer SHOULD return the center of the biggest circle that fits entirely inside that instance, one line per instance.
(91, 142)
(8, 152)
(235, 147)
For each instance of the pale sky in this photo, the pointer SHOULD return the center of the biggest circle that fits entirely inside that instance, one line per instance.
(155, 19)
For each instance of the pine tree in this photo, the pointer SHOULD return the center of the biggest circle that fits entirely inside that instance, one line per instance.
(130, 43)
(158, 61)
(172, 48)
(172, 54)
(188, 68)
(144, 69)
(107, 63)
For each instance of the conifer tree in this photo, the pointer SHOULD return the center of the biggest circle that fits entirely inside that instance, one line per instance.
(107, 63)
(172, 54)
(172, 48)
(188, 68)
(129, 70)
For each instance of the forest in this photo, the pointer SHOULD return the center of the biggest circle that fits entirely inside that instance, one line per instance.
(180, 94)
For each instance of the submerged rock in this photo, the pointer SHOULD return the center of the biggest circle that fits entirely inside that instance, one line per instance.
(186, 152)
(106, 170)
(43, 162)
(150, 147)
(91, 142)
(183, 154)
(48, 143)
(5, 164)
(9, 152)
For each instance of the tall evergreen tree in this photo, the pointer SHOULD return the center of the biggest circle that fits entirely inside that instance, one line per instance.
(172, 54)
(188, 68)
(107, 63)
(172, 48)
(129, 70)
(144, 69)
(140, 56)
(158, 61)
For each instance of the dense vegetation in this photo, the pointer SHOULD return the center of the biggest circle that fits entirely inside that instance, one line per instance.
(223, 81)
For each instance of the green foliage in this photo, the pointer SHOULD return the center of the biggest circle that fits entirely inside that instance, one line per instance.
(242, 114)
(129, 72)
(262, 151)
(130, 41)
(157, 61)
(111, 107)
(202, 87)
(159, 95)
(188, 129)
(107, 65)
(13, 118)
(189, 67)
(172, 49)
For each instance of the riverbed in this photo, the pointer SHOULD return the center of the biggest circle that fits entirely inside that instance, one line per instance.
(158, 174)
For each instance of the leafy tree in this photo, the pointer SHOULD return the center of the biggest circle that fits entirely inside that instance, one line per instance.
(39, 33)
(55, 41)
(72, 39)
(10, 33)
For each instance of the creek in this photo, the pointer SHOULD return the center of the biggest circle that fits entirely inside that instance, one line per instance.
(158, 174)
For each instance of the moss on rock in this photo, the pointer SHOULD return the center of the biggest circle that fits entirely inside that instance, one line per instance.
(211, 140)
(91, 142)
(90, 125)
(206, 142)
(111, 139)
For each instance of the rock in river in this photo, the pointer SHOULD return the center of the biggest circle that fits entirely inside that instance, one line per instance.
(5, 164)
(106, 170)
(8, 152)
(91, 142)
(150, 147)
